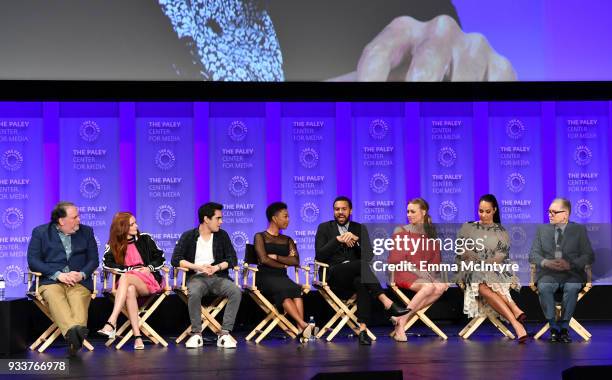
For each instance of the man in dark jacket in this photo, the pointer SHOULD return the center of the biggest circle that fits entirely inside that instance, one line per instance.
(345, 246)
(561, 250)
(66, 253)
(208, 253)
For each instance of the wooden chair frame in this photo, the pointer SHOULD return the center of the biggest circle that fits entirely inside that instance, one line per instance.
(469, 329)
(344, 310)
(419, 314)
(145, 310)
(573, 324)
(209, 312)
(51, 333)
(273, 316)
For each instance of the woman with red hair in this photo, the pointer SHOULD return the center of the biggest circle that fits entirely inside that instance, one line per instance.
(137, 257)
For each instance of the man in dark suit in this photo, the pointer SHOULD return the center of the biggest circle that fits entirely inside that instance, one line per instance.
(66, 253)
(345, 246)
(208, 253)
(560, 251)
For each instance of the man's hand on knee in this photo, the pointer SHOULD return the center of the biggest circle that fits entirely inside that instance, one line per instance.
(76, 277)
(67, 278)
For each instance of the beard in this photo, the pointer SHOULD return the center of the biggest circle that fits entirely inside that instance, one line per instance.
(343, 222)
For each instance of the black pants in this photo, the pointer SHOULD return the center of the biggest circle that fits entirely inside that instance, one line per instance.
(348, 279)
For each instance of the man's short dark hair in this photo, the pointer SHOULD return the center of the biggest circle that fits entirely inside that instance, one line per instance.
(345, 199)
(59, 211)
(208, 210)
(565, 203)
(274, 208)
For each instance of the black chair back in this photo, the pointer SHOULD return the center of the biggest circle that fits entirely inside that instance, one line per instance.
(250, 256)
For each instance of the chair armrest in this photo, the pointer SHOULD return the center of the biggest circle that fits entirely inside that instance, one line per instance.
(316, 272)
(532, 276)
(37, 276)
(94, 278)
(245, 274)
(112, 273)
(166, 272)
(306, 270)
(177, 272)
(589, 273)
(236, 270)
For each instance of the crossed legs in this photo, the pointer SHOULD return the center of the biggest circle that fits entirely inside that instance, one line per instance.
(129, 289)
(295, 308)
(505, 307)
(427, 293)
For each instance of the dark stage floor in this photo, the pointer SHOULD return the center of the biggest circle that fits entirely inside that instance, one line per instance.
(487, 355)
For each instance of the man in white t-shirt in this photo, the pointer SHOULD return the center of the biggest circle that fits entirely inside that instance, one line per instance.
(207, 252)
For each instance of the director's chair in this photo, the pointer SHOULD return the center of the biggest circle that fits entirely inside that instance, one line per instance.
(419, 314)
(146, 307)
(344, 309)
(208, 312)
(273, 316)
(469, 329)
(51, 333)
(573, 324)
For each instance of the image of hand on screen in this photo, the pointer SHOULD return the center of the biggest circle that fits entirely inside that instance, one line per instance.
(432, 51)
(392, 40)
(244, 40)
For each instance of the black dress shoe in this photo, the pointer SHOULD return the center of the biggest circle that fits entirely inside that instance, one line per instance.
(74, 342)
(364, 339)
(554, 335)
(397, 311)
(564, 336)
(82, 332)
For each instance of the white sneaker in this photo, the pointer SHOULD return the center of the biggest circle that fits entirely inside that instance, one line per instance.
(194, 341)
(226, 341)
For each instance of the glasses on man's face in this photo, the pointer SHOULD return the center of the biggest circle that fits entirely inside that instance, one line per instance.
(555, 212)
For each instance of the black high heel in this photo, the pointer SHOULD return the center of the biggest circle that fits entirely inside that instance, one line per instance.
(396, 311)
(109, 334)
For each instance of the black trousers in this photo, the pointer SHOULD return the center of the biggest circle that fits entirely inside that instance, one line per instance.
(356, 277)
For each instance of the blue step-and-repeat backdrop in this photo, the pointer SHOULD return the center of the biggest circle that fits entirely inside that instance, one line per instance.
(162, 160)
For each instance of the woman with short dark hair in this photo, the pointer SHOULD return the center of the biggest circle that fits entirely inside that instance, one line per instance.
(275, 253)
